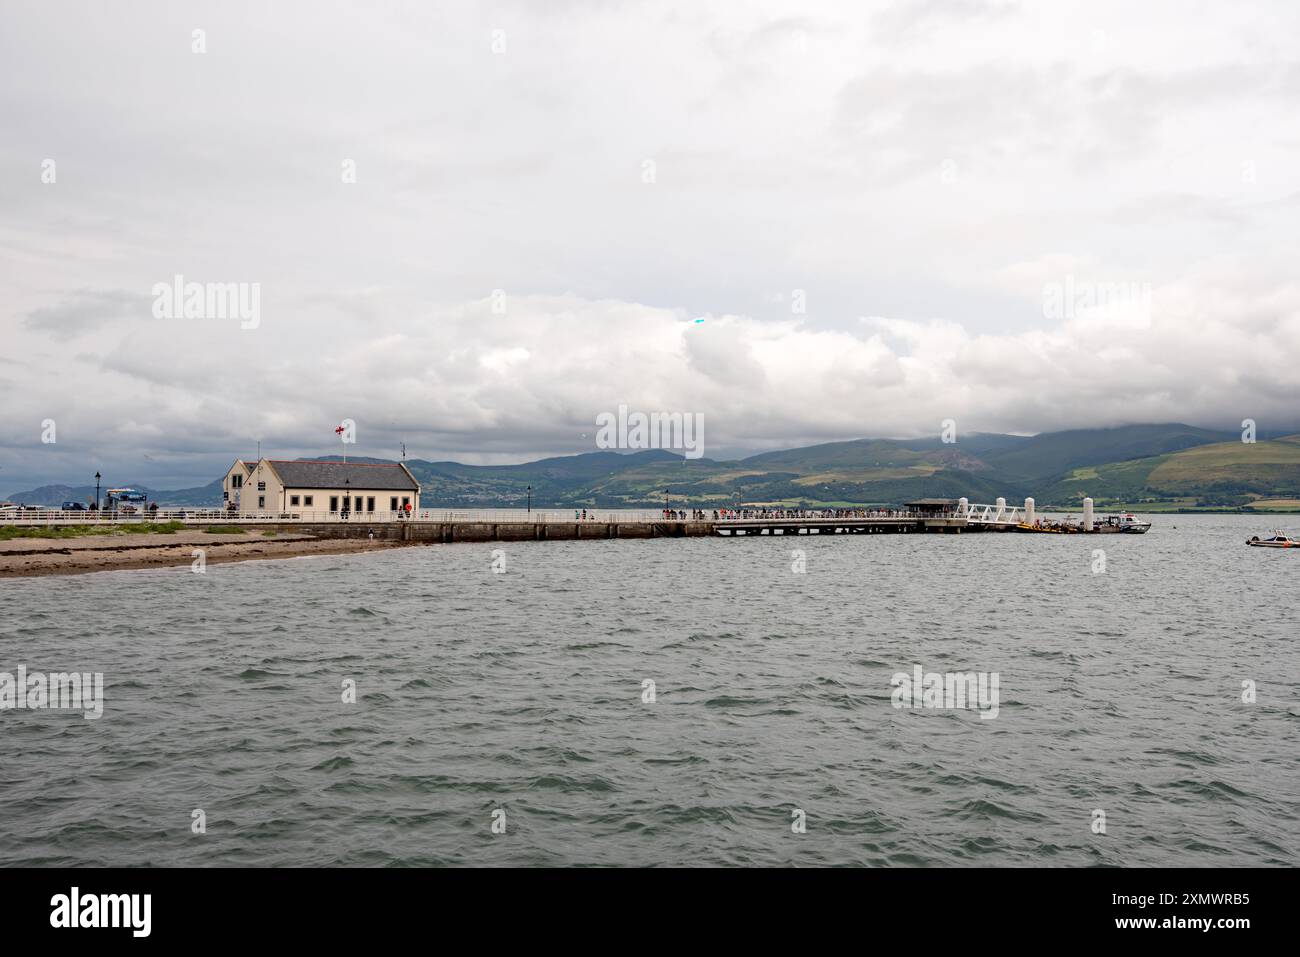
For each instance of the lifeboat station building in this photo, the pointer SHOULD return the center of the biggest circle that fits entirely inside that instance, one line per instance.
(376, 491)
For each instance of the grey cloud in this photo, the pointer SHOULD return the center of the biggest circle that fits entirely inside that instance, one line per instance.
(907, 18)
(87, 310)
(778, 168)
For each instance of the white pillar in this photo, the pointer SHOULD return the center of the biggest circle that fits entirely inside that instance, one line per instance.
(1029, 511)
(963, 504)
(1002, 508)
(1087, 515)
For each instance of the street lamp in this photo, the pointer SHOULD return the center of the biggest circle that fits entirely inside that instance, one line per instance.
(97, 477)
(530, 499)
(347, 496)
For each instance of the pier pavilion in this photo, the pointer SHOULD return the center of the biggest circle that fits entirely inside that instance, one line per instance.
(361, 489)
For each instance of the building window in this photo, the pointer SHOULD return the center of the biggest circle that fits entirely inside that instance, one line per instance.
(261, 501)
(405, 501)
(334, 503)
(356, 503)
(370, 504)
(236, 481)
(293, 499)
(306, 500)
(392, 504)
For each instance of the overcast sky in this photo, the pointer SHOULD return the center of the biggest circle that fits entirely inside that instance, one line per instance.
(886, 215)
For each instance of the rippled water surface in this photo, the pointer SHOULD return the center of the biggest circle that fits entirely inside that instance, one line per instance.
(522, 691)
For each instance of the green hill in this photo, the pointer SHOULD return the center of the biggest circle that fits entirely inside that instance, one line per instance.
(1164, 466)
(1218, 475)
(1055, 453)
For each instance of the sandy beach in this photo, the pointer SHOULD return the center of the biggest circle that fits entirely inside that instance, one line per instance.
(96, 553)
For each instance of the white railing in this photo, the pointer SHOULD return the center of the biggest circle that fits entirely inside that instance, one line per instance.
(814, 514)
(991, 514)
(216, 516)
(972, 512)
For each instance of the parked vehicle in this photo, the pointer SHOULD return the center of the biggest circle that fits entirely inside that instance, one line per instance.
(114, 497)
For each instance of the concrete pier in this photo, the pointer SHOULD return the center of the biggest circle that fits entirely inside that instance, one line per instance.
(417, 531)
(925, 516)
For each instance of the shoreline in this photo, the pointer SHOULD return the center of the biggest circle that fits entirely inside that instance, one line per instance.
(40, 557)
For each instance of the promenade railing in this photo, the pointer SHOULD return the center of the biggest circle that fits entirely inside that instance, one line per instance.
(216, 516)
(209, 516)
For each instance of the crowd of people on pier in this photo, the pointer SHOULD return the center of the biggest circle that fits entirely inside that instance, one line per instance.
(682, 515)
(742, 514)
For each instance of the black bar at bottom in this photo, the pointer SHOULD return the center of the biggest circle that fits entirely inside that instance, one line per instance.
(332, 907)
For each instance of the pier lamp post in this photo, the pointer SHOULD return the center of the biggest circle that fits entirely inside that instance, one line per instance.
(97, 477)
(530, 500)
(347, 496)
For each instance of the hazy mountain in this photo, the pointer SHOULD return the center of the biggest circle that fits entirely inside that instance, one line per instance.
(1232, 473)
(1167, 463)
(1053, 453)
(55, 495)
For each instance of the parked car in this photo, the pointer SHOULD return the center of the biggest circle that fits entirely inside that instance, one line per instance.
(75, 507)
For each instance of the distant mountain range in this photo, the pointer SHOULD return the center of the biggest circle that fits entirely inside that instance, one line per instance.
(1152, 466)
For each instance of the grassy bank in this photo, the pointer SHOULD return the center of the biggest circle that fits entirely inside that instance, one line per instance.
(9, 533)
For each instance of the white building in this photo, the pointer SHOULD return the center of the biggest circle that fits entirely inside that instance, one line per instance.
(332, 489)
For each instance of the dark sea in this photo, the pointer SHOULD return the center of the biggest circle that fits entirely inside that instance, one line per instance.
(504, 717)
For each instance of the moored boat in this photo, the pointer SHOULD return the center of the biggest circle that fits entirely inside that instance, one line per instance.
(1127, 523)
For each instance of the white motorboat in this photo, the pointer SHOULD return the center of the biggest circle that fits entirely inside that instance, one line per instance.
(1128, 523)
(1279, 539)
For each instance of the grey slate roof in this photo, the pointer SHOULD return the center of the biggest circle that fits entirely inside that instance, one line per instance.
(333, 475)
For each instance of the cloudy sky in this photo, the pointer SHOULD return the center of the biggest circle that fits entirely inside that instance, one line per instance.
(1019, 216)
